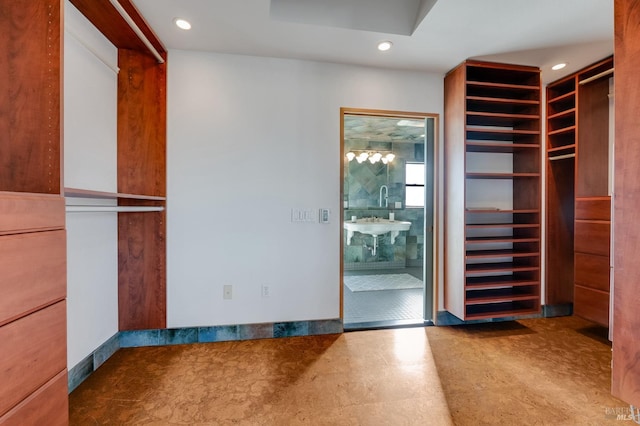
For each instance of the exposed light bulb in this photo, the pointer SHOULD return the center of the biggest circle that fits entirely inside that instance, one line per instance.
(362, 157)
(350, 155)
(390, 156)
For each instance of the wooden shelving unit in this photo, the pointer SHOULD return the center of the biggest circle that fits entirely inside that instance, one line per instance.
(578, 202)
(33, 359)
(492, 263)
(141, 166)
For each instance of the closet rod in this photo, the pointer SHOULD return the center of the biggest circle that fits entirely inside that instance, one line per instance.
(114, 209)
(136, 29)
(562, 157)
(595, 77)
(90, 49)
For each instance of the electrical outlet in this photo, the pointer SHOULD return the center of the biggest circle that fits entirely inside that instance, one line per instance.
(227, 291)
(266, 291)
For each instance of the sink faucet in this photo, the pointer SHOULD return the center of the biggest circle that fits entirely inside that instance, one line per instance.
(386, 196)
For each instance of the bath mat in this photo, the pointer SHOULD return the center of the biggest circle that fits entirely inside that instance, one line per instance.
(381, 282)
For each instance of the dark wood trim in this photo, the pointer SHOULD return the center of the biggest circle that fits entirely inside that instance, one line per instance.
(626, 318)
(106, 18)
(141, 170)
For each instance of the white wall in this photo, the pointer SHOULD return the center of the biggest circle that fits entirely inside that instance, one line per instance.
(90, 156)
(249, 139)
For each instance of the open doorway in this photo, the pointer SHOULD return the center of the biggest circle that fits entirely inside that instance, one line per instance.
(387, 250)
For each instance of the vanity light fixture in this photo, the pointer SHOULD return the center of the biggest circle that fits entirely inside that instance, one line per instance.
(559, 66)
(183, 24)
(384, 46)
(372, 156)
(362, 157)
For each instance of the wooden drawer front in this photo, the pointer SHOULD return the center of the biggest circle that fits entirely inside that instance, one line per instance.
(30, 212)
(591, 304)
(592, 271)
(49, 405)
(593, 208)
(34, 350)
(33, 272)
(592, 237)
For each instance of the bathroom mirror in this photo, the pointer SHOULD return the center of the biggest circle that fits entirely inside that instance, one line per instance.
(377, 150)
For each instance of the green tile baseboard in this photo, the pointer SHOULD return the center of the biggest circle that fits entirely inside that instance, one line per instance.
(187, 335)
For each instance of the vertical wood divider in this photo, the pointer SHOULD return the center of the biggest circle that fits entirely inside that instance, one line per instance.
(626, 319)
(141, 170)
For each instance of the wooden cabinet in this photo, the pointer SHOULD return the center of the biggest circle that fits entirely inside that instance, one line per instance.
(578, 201)
(32, 238)
(492, 190)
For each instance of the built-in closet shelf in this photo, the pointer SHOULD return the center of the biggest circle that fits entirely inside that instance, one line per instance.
(500, 281)
(507, 309)
(502, 225)
(506, 239)
(500, 295)
(563, 130)
(482, 118)
(564, 149)
(503, 86)
(509, 101)
(563, 97)
(491, 133)
(499, 267)
(563, 114)
(473, 175)
(113, 209)
(496, 147)
(87, 193)
(496, 210)
(493, 254)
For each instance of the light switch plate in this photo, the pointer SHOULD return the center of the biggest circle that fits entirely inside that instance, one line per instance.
(325, 216)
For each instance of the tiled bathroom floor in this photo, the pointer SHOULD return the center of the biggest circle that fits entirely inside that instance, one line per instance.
(367, 309)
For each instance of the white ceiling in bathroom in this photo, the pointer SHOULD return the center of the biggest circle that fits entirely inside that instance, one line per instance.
(539, 32)
(383, 129)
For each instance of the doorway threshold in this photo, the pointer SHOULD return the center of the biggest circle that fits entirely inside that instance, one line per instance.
(378, 325)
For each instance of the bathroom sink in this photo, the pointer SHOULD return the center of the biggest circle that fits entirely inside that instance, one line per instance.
(376, 227)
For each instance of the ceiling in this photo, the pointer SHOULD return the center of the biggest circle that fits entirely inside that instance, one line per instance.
(383, 129)
(427, 35)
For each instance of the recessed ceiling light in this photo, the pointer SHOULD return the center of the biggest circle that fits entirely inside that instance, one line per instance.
(559, 66)
(182, 23)
(384, 45)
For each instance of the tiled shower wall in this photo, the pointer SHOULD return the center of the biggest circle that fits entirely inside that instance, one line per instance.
(362, 199)
(408, 249)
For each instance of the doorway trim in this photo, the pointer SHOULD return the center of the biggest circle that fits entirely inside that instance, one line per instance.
(435, 225)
